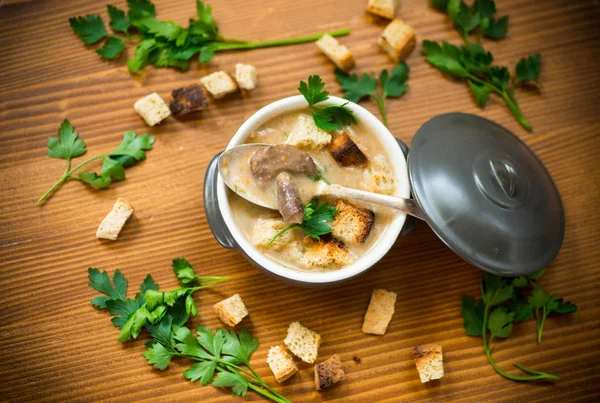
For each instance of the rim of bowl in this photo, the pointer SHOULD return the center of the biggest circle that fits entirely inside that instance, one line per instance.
(379, 249)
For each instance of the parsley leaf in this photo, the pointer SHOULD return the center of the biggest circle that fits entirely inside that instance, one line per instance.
(472, 313)
(500, 322)
(318, 176)
(184, 271)
(203, 370)
(314, 222)
(528, 69)
(158, 356)
(388, 85)
(233, 380)
(497, 28)
(327, 118)
(101, 282)
(543, 304)
(140, 10)
(66, 145)
(134, 146)
(112, 48)
(118, 19)
(89, 28)
(142, 53)
(480, 93)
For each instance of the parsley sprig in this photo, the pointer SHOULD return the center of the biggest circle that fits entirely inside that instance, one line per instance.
(164, 43)
(222, 357)
(150, 305)
(504, 302)
(67, 146)
(314, 222)
(473, 63)
(387, 85)
(329, 117)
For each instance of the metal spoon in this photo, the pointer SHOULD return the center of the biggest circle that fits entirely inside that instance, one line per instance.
(231, 161)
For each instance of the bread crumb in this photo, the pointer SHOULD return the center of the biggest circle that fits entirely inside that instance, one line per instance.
(380, 312)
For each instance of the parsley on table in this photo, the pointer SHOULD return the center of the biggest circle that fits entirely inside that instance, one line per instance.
(164, 43)
(222, 357)
(150, 305)
(318, 176)
(67, 146)
(314, 222)
(387, 85)
(473, 63)
(329, 117)
(504, 302)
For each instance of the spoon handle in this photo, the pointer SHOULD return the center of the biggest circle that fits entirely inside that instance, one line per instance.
(408, 206)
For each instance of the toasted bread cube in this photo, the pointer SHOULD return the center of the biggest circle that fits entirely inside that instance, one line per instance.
(306, 135)
(115, 220)
(329, 372)
(398, 40)
(325, 254)
(303, 342)
(380, 312)
(379, 177)
(219, 84)
(383, 8)
(352, 224)
(245, 75)
(266, 228)
(345, 151)
(430, 361)
(338, 54)
(152, 109)
(282, 365)
(231, 310)
(188, 99)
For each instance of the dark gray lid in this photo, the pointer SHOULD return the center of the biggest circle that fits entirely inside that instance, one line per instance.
(486, 194)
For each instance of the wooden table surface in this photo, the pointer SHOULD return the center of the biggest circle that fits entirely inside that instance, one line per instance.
(57, 347)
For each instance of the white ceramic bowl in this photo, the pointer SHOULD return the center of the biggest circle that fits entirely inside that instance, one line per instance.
(362, 264)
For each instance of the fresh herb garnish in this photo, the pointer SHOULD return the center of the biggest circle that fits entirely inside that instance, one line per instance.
(504, 302)
(327, 118)
(320, 177)
(150, 305)
(223, 357)
(314, 221)
(164, 43)
(68, 146)
(473, 63)
(388, 85)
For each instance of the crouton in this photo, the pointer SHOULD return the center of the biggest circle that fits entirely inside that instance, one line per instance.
(352, 224)
(383, 8)
(152, 109)
(266, 228)
(345, 151)
(380, 312)
(303, 342)
(329, 372)
(379, 177)
(325, 254)
(306, 135)
(219, 84)
(282, 365)
(429, 361)
(245, 75)
(398, 40)
(188, 99)
(231, 310)
(338, 54)
(115, 220)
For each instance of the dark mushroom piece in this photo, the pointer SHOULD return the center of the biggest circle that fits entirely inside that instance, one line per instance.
(269, 162)
(288, 199)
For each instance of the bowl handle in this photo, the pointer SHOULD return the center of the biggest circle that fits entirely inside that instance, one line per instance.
(211, 206)
(409, 223)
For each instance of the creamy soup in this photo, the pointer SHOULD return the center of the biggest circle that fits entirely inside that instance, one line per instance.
(347, 243)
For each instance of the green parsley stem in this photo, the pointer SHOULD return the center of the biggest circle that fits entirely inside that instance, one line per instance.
(465, 36)
(540, 323)
(289, 227)
(292, 41)
(66, 176)
(230, 40)
(380, 99)
(267, 394)
(512, 105)
(486, 345)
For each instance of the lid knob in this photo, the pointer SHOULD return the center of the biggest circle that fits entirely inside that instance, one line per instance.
(506, 176)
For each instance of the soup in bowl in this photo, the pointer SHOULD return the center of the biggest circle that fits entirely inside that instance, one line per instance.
(364, 156)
